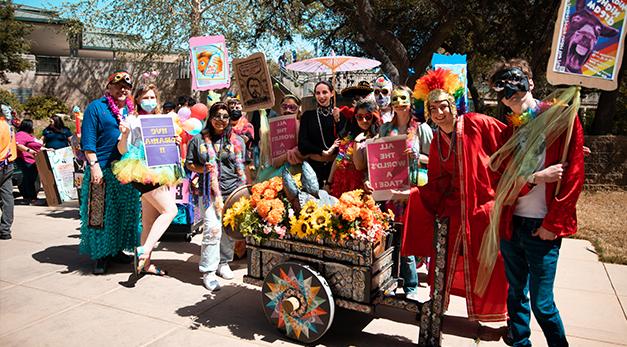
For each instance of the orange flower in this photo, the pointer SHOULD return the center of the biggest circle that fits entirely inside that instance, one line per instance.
(254, 199)
(276, 183)
(351, 213)
(269, 194)
(259, 187)
(275, 216)
(277, 204)
(263, 208)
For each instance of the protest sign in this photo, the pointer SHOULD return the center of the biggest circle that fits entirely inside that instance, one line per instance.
(255, 84)
(457, 64)
(388, 167)
(209, 63)
(159, 140)
(56, 172)
(588, 43)
(283, 134)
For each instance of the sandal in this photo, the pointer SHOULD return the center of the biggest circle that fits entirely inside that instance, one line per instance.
(138, 261)
(153, 270)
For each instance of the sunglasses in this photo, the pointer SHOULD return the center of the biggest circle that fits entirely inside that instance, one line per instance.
(120, 77)
(364, 116)
(289, 107)
(383, 92)
(221, 118)
(397, 98)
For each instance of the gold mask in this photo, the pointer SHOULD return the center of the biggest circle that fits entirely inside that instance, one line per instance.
(440, 95)
(400, 98)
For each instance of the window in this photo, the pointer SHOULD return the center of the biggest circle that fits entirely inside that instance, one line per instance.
(48, 65)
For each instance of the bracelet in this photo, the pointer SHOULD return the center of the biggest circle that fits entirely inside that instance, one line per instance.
(531, 179)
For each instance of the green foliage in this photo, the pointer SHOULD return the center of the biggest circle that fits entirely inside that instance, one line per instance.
(42, 107)
(13, 42)
(8, 98)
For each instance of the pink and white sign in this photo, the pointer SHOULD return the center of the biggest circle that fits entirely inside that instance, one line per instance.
(388, 166)
(283, 134)
(209, 62)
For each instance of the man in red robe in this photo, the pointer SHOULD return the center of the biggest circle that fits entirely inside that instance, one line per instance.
(461, 188)
(532, 227)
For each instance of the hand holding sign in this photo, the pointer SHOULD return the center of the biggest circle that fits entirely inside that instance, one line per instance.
(388, 166)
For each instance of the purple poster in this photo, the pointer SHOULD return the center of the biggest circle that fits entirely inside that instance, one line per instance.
(159, 140)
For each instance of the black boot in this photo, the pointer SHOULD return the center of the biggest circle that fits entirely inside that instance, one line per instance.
(100, 266)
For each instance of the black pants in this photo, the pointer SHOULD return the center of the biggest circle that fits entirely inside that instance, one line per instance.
(28, 188)
(322, 170)
(6, 199)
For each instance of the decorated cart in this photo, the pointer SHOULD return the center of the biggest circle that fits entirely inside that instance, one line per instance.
(311, 253)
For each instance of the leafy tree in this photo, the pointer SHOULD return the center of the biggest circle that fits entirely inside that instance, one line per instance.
(8, 98)
(13, 42)
(44, 106)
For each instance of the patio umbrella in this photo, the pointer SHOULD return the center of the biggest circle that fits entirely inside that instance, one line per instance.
(333, 63)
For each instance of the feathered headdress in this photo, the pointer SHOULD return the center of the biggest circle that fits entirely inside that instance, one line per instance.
(434, 84)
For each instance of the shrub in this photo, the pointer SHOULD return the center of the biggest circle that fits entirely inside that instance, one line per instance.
(44, 106)
(8, 98)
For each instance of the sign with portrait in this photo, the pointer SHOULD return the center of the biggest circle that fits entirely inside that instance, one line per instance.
(283, 134)
(254, 82)
(209, 62)
(388, 166)
(588, 43)
(458, 65)
(159, 140)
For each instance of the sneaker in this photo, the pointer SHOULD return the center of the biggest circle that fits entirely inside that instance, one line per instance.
(225, 272)
(100, 266)
(5, 236)
(413, 296)
(210, 281)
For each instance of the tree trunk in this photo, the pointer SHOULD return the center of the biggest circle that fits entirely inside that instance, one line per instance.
(477, 100)
(606, 108)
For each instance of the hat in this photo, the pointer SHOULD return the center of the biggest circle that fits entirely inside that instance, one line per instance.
(362, 89)
(120, 76)
(437, 85)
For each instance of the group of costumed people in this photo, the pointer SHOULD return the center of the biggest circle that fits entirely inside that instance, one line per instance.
(508, 191)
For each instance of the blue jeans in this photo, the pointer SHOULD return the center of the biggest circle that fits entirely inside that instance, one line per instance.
(530, 267)
(215, 247)
(409, 274)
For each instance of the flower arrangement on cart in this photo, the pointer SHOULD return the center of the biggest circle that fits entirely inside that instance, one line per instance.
(270, 213)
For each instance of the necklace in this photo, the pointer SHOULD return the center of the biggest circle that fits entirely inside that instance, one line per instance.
(320, 126)
(117, 112)
(325, 111)
(450, 148)
(518, 120)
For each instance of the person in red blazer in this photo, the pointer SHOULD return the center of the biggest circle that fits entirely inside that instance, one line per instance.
(531, 230)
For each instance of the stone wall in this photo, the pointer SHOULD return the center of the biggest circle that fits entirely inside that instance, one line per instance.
(83, 79)
(606, 167)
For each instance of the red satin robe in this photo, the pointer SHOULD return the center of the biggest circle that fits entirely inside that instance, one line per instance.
(462, 189)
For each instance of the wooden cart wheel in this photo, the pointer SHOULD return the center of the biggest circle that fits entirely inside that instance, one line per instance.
(239, 192)
(298, 301)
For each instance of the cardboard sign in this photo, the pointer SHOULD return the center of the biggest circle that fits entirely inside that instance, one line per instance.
(209, 63)
(388, 166)
(254, 82)
(283, 134)
(56, 172)
(159, 140)
(588, 43)
(457, 64)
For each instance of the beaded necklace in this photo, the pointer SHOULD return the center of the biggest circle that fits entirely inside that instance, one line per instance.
(345, 155)
(325, 112)
(450, 148)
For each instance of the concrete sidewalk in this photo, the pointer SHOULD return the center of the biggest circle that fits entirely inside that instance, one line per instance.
(48, 296)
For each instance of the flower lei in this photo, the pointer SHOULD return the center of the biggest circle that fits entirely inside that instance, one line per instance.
(412, 129)
(518, 120)
(116, 110)
(345, 154)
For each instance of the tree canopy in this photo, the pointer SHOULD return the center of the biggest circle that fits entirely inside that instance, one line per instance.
(13, 42)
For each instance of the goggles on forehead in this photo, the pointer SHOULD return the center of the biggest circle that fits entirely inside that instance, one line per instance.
(120, 76)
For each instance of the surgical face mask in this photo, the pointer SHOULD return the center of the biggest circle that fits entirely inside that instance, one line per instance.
(509, 82)
(148, 105)
(236, 114)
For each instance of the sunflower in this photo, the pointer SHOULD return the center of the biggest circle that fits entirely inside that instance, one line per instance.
(308, 209)
(321, 219)
(300, 228)
(239, 208)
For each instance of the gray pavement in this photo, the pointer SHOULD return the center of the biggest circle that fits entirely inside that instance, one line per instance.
(48, 297)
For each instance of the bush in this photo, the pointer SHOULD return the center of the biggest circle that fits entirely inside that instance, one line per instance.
(8, 98)
(42, 107)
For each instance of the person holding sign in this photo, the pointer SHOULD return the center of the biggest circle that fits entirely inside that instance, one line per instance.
(152, 181)
(544, 176)
(318, 132)
(461, 188)
(109, 209)
(349, 167)
(218, 154)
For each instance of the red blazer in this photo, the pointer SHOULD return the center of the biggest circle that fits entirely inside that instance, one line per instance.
(561, 218)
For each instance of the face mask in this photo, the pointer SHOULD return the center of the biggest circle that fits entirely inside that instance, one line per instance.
(148, 105)
(400, 98)
(236, 114)
(383, 101)
(509, 82)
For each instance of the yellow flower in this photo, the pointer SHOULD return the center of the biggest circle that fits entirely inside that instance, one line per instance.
(235, 211)
(300, 228)
(297, 180)
(309, 208)
(320, 219)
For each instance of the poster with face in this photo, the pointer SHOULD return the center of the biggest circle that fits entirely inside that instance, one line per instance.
(209, 63)
(254, 82)
(588, 43)
(456, 63)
